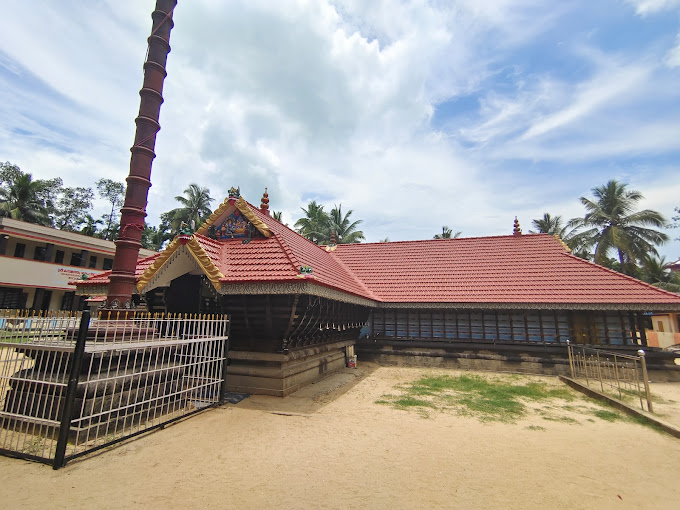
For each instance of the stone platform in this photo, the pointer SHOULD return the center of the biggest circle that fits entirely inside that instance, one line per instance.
(261, 373)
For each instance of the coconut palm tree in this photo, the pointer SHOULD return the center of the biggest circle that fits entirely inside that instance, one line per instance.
(314, 224)
(549, 225)
(20, 199)
(657, 272)
(341, 227)
(611, 224)
(195, 206)
(447, 233)
(90, 227)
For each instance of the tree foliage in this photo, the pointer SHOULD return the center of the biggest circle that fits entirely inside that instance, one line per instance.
(72, 208)
(321, 227)
(612, 224)
(195, 207)
(447, 233)
(23, 198)
(342, 228)
(314, 224)
(114, 193)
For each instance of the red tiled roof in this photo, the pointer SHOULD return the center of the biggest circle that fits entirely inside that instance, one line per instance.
(103, 278)
(279, 257)
(533, 268)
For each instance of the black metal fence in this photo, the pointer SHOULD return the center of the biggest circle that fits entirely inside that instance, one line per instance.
(70, 385)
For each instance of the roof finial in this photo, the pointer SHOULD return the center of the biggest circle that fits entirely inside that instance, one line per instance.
(264, 204)
(516, 231)
(333, 240)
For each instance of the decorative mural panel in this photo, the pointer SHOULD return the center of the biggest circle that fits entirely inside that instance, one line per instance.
(235, 225)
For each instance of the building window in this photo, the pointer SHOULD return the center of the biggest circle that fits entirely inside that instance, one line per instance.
(76, 259)
(19, 250)
(67, 300)
(108, 264)
(93, 261)
(39, 253)
(59, 257)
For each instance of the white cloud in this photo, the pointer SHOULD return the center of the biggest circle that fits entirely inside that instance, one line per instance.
(644, 7)
(333, 100)
(673, 55)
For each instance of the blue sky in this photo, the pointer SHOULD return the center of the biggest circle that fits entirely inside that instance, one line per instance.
(415, 114)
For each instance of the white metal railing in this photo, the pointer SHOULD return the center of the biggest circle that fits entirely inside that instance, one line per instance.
(617, 374)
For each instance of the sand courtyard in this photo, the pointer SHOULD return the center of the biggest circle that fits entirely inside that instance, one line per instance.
(340, 444)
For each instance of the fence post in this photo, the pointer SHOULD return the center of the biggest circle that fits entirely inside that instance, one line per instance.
(571, 360)
(74, 367)
(223, 386)
(645, 379)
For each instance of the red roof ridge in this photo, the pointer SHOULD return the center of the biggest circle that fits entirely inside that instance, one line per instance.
(289, 253)
(473, 238)
(649, 285)
(359, 281)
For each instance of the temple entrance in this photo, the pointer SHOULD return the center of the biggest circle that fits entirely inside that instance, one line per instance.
(184, 295)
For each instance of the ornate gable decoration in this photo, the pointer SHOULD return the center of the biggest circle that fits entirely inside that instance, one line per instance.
(233, 219)
(197, 252)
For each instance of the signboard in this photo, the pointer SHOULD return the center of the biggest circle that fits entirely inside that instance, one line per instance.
(64, 275)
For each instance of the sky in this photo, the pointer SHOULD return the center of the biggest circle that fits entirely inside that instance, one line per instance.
(413, 114)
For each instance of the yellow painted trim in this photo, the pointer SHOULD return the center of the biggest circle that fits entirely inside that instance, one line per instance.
(564, 245)
(209, 268)
(157, 264)
(214, 216)
(204, 261)
(242, 206)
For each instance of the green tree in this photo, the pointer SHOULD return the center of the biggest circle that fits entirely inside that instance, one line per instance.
(447, 233)
(72, 207)
(153, 238)
(90, 227)
(277, 215)
(342, 228)
(314, 224)
(656, 270)
(21, 196)
(195, 207)
(612, 224)
(552, 225)
(114, 193)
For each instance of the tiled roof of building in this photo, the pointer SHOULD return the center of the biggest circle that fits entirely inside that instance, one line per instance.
(279, 258)
(534, 268)
(103, 278)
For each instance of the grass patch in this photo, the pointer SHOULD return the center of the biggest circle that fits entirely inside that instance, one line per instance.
(561, 419)
(489, 399)
(535, 427)
(606, 415)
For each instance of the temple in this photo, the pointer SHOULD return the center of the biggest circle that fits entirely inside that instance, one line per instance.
(297, 309)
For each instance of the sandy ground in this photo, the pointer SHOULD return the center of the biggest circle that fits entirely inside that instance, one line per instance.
(331, 446)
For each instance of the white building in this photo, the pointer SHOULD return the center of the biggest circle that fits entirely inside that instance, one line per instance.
(37, 263)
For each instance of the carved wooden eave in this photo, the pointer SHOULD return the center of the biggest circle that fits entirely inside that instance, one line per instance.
(245, 210)
(192, 247)
(308, 287)
(92, 290)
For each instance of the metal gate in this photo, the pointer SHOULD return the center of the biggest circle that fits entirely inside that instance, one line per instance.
(70, 385)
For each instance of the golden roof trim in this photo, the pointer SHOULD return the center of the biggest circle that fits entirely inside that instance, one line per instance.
(197, 252)
(209, 268)
(157, 264)
(242, 206)
(564, 245)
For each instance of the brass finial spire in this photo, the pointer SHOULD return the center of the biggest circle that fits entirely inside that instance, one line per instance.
(516, 231)
(264, 204)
